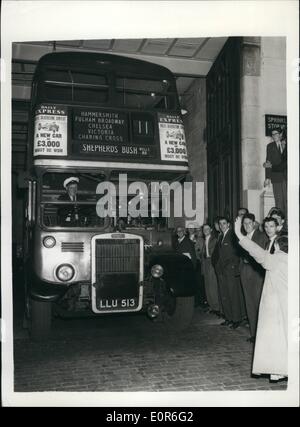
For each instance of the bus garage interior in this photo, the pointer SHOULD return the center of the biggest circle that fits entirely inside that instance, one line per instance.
(227, 87)
(218, 82)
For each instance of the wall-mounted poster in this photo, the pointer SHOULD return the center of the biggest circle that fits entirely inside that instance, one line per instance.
(50, 131)
(274, 121)
(172, 138)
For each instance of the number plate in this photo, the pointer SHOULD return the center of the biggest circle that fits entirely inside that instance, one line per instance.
(117, 304)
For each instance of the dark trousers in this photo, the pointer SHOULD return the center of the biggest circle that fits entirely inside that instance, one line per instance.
(280, 195)
(252, 283)
(200, 297)
(231, 294)
(211, 284)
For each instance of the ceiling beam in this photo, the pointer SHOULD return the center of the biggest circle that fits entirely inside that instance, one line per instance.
(171, 46)
(111, 44)
(178, 65)
(141, 46)
(201, 46)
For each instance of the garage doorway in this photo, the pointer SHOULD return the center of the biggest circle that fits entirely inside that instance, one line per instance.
(223, 132)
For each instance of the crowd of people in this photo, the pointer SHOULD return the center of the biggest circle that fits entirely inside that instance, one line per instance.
(241, 275)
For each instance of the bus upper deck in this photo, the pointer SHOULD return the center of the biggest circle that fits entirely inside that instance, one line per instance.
(106, 108)
(106, 143)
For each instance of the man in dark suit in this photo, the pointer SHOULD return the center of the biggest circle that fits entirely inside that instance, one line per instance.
(274, 225)
(185, 246)
(226, 263)
(270, 226)
(241, 212)
(280, 216)
(210, 278)
(276, 168)
(282, 166)
(252, 273)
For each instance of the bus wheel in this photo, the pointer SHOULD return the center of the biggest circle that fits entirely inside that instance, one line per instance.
(40, 319)
(178, 312)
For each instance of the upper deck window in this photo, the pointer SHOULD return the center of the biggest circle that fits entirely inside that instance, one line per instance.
(109, 86)
(75, 86)
(144, 93)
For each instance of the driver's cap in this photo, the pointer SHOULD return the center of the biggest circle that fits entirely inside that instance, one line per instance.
(70, 180)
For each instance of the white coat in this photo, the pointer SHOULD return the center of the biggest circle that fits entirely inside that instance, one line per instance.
(271, 345)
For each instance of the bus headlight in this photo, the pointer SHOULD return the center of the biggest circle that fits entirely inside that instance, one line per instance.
(157, 271)
(49, 242)
(65, 272)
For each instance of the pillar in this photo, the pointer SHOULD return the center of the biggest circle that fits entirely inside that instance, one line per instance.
(252, 172)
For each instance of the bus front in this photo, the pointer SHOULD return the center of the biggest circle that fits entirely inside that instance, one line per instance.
(97, 120)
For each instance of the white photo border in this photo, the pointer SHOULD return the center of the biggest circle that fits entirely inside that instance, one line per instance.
(67, 20)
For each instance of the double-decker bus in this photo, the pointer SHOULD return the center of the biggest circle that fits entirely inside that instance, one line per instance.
(93, 118)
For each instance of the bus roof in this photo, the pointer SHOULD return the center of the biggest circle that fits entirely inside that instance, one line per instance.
(90, 60)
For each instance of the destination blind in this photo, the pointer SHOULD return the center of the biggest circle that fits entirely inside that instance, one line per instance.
(105, 133)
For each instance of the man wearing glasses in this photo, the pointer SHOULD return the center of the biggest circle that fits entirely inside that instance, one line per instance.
(275, 165)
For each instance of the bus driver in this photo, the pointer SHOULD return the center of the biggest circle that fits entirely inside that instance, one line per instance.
(71, 186)
(69, 215)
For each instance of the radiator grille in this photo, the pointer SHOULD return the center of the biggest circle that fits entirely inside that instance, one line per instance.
(117, 256)
(72, 246)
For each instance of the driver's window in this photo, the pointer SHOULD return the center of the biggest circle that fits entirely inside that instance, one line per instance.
(69, 200)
